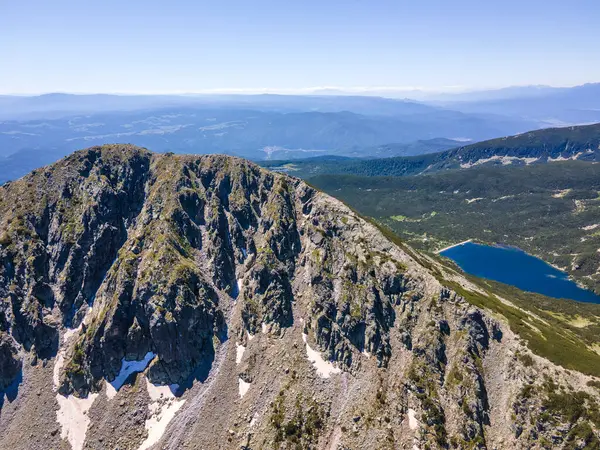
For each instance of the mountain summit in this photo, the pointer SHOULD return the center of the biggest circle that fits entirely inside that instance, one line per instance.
(162, 301)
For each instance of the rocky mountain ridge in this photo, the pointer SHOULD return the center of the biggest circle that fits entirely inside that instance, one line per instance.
(204, 302)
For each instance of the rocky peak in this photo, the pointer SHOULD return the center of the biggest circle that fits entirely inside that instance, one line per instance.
(117, 258)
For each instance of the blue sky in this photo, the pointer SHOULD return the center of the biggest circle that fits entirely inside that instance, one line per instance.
(164, 46)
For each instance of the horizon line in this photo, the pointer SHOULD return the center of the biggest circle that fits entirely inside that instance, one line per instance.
(345, 90)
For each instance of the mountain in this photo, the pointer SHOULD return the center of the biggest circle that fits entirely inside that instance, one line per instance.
(568, 106)
(202, 301)
(57, 104)
(535, 147)
(419, 147)
(254, 134)
(510, 92)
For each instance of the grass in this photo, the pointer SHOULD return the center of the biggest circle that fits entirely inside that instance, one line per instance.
(304, 425)
(558, 344)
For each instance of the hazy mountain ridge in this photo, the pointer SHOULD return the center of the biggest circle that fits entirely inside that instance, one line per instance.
(578, 104)
(300, 322)
(249, 133)
(38, 130)
(535, 147)
(24, 107)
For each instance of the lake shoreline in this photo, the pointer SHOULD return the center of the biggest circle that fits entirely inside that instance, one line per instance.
(514, 266)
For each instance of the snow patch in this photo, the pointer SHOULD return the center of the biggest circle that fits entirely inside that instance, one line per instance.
(413, 423)
(162, 409)
(504, 160)
(239, 353)
(561, 193)
(127, 368)
(58, 363)
(324, 368)
(264, 328)
(243, 387)
(73, 418)
(111, 392)
(250, 336)
(591, 227)
(504, 197)
(471, 200)
(572, 157)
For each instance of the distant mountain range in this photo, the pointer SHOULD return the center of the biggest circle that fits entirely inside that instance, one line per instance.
(574, 105)
(37, 130)
(545, 103)
(60, 105)
(541, 146)
(252, 134)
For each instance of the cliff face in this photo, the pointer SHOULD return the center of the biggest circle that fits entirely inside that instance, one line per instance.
(202, 301)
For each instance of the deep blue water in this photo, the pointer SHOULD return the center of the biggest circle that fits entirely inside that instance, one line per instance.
(517, 268)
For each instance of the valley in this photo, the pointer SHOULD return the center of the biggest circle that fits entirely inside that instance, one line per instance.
(549, 210)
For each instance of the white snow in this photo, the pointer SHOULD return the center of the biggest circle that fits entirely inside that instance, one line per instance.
(504, 197)
(58, 363)
(561, 193)
(471, 200)
(243, 387)
(60, 357)
(572, 157)
(73, 419)
(250, 336)
(591, 227)
(239, 285)
(264, 327)
(127, 368)
(162, 409)
(324, 368)
(504, 160)
(239, 352)
(413, 423)
(111, 392)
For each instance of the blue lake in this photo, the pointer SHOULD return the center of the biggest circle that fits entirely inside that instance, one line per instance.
(515, 267)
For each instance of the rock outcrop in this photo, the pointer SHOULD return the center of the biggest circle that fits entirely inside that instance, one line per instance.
(225, 306)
